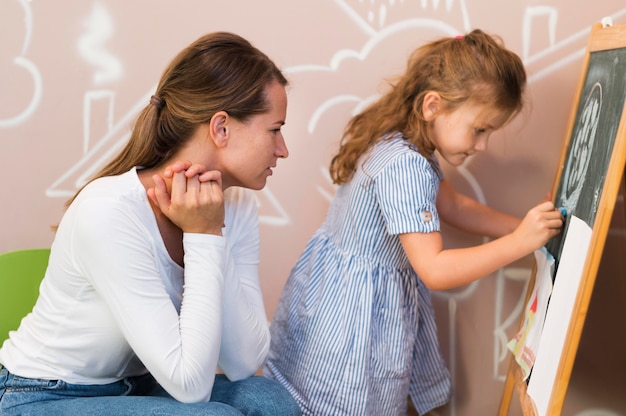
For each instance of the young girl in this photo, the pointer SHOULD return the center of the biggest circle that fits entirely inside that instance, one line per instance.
(354, 333)
(152, 282)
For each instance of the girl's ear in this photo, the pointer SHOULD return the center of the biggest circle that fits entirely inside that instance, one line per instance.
(430, 105)
(218, 128)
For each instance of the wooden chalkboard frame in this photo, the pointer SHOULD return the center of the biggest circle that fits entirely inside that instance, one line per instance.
(604, 38)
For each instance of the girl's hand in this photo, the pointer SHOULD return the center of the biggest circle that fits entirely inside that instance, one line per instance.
(539, 225)
(194, 200)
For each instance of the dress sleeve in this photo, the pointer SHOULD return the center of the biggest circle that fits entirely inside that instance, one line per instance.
(112, 249)
(245, 338)
(406, 190)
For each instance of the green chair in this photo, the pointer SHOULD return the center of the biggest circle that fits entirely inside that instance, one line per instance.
(21, 273)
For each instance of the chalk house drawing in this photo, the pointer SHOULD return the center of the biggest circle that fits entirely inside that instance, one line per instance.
(378, 21)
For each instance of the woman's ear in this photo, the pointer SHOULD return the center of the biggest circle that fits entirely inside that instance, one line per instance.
(431, 105)
(218, 128)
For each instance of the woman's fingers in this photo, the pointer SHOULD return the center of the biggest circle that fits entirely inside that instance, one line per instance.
(193, 203)
(211, 175)
(190, 170)
(159, 194)
(176, 167)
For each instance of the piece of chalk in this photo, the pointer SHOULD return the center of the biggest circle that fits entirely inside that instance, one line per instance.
(563, 211)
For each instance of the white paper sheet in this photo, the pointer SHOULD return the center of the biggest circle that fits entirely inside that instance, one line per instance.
(560, 308)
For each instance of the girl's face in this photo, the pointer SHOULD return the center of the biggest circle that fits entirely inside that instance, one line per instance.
(464, 131)
(255, 146)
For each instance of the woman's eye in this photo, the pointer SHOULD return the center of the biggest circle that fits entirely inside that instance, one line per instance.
(479, 131)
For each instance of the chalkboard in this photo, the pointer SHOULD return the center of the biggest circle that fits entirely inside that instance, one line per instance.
(590, 171)
(591, 144)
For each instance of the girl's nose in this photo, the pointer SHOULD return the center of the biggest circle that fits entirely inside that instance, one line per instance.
(481, 143)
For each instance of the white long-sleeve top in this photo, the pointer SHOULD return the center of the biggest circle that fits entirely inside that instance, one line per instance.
(114, 304)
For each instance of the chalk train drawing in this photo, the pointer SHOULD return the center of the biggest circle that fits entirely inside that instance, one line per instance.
(24, 63)
(379, 21)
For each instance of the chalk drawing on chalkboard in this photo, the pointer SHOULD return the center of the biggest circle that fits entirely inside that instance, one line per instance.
(594, 131)
(578, 163)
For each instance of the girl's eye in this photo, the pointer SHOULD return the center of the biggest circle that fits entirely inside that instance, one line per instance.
(479, 131)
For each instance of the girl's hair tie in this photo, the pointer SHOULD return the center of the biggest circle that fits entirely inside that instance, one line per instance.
(459, 36)
(157, 102)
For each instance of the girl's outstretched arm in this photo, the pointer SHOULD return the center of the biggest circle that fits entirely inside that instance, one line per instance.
(443, 269)
(469, 215)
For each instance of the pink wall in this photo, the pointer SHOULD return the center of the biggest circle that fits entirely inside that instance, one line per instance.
(72, 77)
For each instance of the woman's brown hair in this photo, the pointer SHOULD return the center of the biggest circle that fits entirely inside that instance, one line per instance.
(220, 71)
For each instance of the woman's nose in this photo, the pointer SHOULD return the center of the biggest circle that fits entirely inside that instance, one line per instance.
(281, 149)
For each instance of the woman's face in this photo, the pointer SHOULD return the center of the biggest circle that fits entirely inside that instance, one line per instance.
(255, 146)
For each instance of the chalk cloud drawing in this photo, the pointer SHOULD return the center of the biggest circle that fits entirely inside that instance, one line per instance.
(373, 14)
(23, 63)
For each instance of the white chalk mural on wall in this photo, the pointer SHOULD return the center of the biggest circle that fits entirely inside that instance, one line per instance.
(20, 62)
(381, 23)
(107, 68)
(92, 46)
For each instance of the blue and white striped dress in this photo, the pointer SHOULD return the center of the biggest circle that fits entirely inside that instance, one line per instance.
(354, 332)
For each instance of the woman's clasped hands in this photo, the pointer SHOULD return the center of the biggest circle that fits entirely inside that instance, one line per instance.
(190, 197)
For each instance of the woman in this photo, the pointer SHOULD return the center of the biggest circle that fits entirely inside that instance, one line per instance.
(152, 285)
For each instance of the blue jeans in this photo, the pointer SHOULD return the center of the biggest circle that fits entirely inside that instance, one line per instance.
(140, 395)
